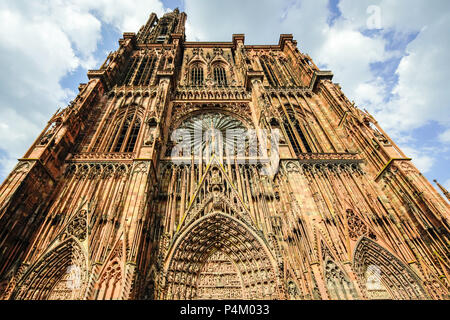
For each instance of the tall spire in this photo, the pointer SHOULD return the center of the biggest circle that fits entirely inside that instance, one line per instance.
(444, 191)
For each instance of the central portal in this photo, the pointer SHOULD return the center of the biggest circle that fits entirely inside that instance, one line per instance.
(220, 257)
(219, 279)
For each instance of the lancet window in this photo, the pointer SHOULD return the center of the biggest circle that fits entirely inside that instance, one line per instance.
(269, 72)
(140, 71)
(126, 131)
(220, 76)
(295, 132)
(197, 75)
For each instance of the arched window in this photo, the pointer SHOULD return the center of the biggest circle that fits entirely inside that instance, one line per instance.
(131, 70)
(269, 72)
(125, 133)
(140, 70)
(299, 130)
(197, 75)
(110, 284)
(220, 76)
(287, 70)
(291, 136)
(293, 130)
(133, 136)
(145, 71)
(122, 135)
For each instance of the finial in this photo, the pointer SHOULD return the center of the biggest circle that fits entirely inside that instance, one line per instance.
(444, 191)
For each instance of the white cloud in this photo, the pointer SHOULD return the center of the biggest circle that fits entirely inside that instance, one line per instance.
(422, 91)
(445, 136)
(421, 94)
(421, 159)
(218, 20)
(41, 42)
(127, 16)
(341, 48)
(34, 56)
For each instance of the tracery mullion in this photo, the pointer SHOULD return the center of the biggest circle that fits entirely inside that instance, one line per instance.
(281, 73)
(109, 135)
(130, 128)
(134, 135)
(118, 132)
(268, 72)
(152, 73)
(288, 70)
(131, 70)
(308, 147)
(148, 71)
(102, 127)
(223, 78)
(143, 69)
(330, 142)
(330, 125)
(146, 74)
(109, 189)
(136, 72)
(296, 139)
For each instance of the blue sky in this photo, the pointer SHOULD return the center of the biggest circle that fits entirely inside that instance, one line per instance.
(397, 71)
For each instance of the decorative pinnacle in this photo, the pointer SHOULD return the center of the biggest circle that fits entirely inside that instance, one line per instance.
(444, 191)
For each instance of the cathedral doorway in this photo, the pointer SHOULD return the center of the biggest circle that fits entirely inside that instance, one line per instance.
(59, 274)
(220, 257)
(384, 276)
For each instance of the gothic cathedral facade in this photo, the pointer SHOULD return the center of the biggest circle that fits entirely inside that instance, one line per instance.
(105, 205)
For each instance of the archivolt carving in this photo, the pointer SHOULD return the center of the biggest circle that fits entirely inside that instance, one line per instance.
(42, 278)
(213, 234)
(394, 275)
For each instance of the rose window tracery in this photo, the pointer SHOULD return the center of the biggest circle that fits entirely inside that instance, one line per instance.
(217, 132)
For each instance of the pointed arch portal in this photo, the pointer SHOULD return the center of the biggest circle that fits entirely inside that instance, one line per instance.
(60, 274)
(220, 257)
(379, 270)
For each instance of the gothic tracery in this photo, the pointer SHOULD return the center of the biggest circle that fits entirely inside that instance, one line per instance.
(104, 205)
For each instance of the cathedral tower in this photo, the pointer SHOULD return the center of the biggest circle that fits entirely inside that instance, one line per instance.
(217, 170)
